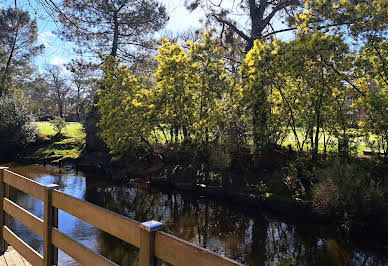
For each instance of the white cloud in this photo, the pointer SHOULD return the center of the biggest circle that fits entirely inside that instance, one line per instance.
(44, 38)
(58, 61)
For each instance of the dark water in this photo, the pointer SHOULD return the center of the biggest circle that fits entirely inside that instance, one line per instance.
(249, 236)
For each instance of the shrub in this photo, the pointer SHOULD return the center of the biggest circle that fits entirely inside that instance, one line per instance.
(348, 190)
(58, 124)
(16, 124)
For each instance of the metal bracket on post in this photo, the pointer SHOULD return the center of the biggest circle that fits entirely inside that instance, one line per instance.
(147, 242)
(3, 216)
(50, 253)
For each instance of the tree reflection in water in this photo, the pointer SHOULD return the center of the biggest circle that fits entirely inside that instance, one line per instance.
(250, 236)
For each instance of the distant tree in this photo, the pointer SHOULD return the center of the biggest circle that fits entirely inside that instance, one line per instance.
(58, 89)
(83, 85)
(118, 28)
(18, 36)
(36, 92)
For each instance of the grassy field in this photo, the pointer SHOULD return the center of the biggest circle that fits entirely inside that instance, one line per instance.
(71, 143)
(56, 148)
(359, 142)
(332, 146)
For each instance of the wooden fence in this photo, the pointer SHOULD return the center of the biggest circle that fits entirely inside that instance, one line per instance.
(147, 236)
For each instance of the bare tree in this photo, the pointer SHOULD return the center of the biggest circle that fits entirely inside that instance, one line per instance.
(58, 89)
(83, 85)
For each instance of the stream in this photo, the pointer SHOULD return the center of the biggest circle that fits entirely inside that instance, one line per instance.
(248, 235)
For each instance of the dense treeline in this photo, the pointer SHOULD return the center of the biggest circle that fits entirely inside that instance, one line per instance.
(312, 87)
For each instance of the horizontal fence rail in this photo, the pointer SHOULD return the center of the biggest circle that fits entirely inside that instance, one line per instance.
(147, 236)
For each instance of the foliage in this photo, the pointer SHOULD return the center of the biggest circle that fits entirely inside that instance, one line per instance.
(112, 27)
(18, 45)
(372, 79)
(192, 88)
(16, 124)
(361, 17)
(173, 105)
(58, 124)
(346, 190)
(124, 109)
(257, 98)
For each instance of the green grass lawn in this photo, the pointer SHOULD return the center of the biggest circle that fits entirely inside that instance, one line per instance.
(68, 146)
(332, 146)
(289, 140)
(72, 129)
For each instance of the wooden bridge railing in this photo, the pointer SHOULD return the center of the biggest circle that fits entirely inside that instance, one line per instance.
(147, 236)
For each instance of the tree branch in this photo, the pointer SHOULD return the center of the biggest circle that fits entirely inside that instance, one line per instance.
(232, 26)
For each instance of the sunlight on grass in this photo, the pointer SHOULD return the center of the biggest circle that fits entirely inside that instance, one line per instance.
(68, 146)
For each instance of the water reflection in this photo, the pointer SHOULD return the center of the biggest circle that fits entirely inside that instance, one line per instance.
(247, 235)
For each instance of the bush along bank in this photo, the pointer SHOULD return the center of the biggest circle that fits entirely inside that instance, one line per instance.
(348, 191)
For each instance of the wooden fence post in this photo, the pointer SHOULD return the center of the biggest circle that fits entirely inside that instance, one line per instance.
(50, 253)
(147, 242)
(4, 192)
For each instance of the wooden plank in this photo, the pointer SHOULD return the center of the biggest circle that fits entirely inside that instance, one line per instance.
(2, 213)
(117, 225)
(26, 263)
(24, 184)
(13, 258)
(2, 261)
(5, 215)
(10, 256)
(23, 216)
(21, 247)
(179, 252)
(79, 252)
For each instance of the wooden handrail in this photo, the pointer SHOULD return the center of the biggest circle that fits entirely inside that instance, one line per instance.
(23, 216)
(147, 236)
(117, 225)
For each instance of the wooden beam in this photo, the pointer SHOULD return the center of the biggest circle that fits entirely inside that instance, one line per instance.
(117, 225)
(79, 252)
(179, 252)
(24, 184)
(23, 216)
(21, 247)
(2, 213)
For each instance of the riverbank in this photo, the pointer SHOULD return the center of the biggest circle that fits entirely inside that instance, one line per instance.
(349, 192)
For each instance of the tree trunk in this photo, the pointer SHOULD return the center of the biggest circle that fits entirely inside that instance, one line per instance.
(115, 35)
(60, 109)
(7, 67)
